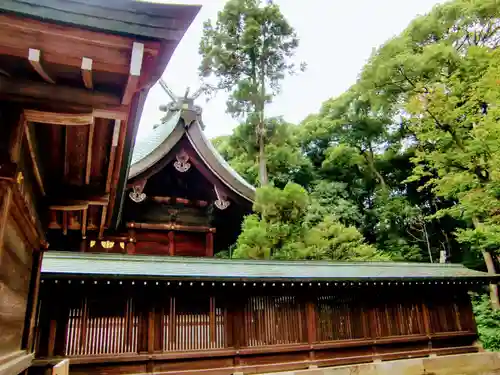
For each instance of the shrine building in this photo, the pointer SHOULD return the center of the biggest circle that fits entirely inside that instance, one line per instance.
(109, 241)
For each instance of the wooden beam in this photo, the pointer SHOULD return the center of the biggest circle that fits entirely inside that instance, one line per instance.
(117, 113)
(30, 140)
(103, 221)
(15, 143)
(34, 59)
(79, 204)
(171, 226)
(65, 45)
(134, 73)
(89, 153)
(87, 72)
(54, 118)
(112, 154)
(85, 213)
(64, 94)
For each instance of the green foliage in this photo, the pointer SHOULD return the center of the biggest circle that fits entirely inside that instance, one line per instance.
(249, 50)
(285, 161)
(278, 230)
(487, 321)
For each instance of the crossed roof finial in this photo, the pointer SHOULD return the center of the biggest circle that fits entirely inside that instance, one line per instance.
(184, 103)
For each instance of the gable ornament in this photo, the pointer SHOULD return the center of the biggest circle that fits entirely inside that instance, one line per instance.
(137, 194)
(221, 203)
(182, 163)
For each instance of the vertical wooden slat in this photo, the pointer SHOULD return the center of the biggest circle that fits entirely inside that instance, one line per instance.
(212, 332)
(151, 328)
(52, 337)
(311, 322)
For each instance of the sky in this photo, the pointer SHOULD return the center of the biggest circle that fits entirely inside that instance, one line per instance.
(336, 39)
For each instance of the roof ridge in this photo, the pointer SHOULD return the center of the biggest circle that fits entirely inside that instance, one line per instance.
(192, 260)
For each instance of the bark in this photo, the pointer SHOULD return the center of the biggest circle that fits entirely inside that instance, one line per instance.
(263, 177)
(427, 242)
(262, 160)
(490, 266)
(371, 165)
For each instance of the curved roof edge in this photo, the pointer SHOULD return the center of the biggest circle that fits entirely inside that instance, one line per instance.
(205, 150)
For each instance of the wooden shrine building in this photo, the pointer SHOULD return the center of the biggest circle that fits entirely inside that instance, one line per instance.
(149, 297)
(74, 75)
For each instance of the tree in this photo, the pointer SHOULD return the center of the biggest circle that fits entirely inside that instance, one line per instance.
(249, 51)
(279, 230)
(285, 161)
(441, 74)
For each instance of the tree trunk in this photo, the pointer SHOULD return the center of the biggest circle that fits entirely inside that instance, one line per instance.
(427, 242)
(368, 155)
(263, 177)
(490, 266)
(488, 259)
(262, 159)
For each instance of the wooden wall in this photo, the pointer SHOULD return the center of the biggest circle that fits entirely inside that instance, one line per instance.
(19, 245)
(110, 326)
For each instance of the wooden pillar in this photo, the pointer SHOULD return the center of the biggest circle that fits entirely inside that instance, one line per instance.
(212, 317)
(209, 251)
(151, 328)
(31, 311)
(9, 172)
(171, 243)
(427, 323)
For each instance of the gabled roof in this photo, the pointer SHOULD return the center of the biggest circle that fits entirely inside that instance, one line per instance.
(126, 17)
(141, 266)
(184, 120)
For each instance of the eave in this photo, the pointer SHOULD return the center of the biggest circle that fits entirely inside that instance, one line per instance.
(211, 159)
(303, 273)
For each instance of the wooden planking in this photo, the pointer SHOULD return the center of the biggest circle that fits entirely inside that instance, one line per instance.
(65, 45)
(62, 94)
(182, 326)
(15, 268)
(76, 154)
(100, 151)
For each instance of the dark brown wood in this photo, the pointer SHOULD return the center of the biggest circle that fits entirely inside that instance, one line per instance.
(46, 91)
(171, 227)
(210, 244)
(59, 42)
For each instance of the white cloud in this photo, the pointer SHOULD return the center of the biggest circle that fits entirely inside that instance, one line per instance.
(336, 39)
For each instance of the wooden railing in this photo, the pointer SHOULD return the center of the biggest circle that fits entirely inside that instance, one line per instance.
(101, 323)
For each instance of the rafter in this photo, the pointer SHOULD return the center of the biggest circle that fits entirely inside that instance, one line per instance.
(30, 140)
(35, 61)
(134, 73)
(87, 72)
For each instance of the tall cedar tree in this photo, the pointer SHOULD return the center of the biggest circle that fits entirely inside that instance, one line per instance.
(249, 51)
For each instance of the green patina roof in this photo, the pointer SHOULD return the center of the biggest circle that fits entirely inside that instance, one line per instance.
(147, 143)
(115, 265)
